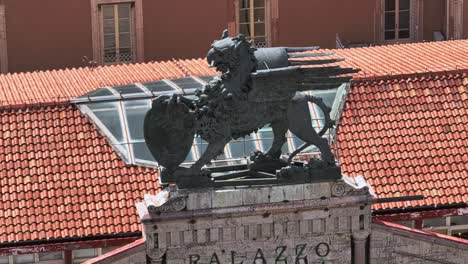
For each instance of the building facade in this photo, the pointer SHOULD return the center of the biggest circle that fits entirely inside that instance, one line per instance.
(69, 194)
(53, 34)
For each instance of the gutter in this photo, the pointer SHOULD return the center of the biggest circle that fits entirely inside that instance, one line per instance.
(72, 240)
(418, 209)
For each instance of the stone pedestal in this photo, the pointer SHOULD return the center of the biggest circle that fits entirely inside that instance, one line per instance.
(303, 223)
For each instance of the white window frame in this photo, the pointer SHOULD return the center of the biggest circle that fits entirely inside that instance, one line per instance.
(413, 18)
(451, 229)
(271, 15)
(97, 34)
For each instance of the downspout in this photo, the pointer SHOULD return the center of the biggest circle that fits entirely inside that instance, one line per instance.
(447, 18)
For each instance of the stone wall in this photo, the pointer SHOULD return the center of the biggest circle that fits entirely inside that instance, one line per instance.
(303, 223)
(400, 245)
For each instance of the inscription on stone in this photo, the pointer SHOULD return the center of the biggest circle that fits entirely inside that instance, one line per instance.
(281, 255)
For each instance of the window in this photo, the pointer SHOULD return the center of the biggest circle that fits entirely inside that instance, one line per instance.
(56, 255)
(81, 255)
(117, 31)
(397, 20)
(252, 21)
(23, 259)
(452, 225)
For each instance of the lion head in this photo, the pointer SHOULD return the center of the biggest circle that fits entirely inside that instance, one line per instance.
(229, 54)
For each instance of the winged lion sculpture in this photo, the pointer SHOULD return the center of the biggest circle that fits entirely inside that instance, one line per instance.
(257, 87)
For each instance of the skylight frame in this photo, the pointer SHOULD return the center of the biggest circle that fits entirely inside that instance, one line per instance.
(127, 149)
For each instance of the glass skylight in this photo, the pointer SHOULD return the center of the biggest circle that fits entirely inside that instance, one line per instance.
(119, 113)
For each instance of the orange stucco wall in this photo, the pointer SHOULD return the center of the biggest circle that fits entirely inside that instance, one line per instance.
(52, 34)
(434, 18)
(181, 28)
(316, 22)
(47, 34)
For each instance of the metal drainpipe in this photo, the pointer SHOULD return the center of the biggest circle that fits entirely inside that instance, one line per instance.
(447, 18)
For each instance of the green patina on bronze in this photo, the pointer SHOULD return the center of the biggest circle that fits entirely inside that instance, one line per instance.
(257, 87)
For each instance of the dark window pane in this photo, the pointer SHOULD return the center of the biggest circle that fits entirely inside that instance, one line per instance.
(244, 3)
(206, 79)
(187, 83)
(459, 220)
(124, 25)
(242, 147)
(109, 41)
(98, 92)
(390, 21)
(109, 26)
(23, 259)
(403, 34)
(124, 10)
(434, 222)
(244, 16)
(460, 233)
(158, 86)
(404, 20)
(124, 40)
(135, 112)
(128, 89)
(141, 151)
(108, 249)
(389, 5)
(266, 138)
(389, 35)
(404, 5)
(259, 3)
(190, 157)
(84, 253)
(108, 11)
(259, 15)
(297, 142)
(259, 29)
(109, 115)
(244, 29)
(57, 255)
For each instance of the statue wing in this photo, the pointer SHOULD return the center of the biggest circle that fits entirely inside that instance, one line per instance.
(280, 83)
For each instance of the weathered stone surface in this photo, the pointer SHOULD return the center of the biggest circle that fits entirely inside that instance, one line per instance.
(332, 224)
(390, 245)
(291, 222)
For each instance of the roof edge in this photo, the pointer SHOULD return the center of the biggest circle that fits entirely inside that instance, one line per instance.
(64, 103)
(411, 232)
(414, 75)
(418, 209)
(68, 240)
(110, 256)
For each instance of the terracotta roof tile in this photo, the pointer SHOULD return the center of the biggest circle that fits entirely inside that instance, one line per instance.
(68, 171)
(62, 85)
(404, 134)
(408, 139)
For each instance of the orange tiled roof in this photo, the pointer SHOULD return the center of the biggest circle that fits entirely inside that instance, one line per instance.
(62, 85)
(405, 58)
(55, 165)
(408, 137)
(59, 178)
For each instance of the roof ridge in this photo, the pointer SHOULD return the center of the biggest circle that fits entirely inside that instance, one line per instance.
(34, 105)
(414, 75)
